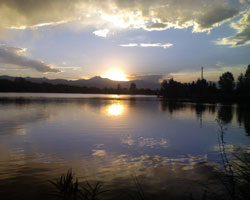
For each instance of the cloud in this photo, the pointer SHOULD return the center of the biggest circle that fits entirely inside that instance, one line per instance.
(202, 15)
(129, 45)
(23, 14)
(16, 50)
(157, 27)
(244, 1)
(100, 153)
(102, 32)
(242, 37)
(15, 56)
(161, 15)
(214, 17)
(165, 46)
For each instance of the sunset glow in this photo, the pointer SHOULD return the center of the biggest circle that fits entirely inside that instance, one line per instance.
(115, 75)
(106, 92)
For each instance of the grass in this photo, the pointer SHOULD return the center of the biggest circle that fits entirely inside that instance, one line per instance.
(67, 187)
(236, 171)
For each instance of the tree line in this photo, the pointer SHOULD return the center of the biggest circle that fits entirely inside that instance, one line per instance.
(22, 85)
(226, 88)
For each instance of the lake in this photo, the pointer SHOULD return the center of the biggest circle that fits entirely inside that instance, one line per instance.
(171, 149)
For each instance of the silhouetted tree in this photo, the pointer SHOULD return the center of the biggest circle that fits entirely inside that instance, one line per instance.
(247, 79)
(119, 88)
(241, 84)
(171, 88)
(22, 85)
(247, 74)
(201, 87)
(198, 89)
(132, 88)
(226, 82)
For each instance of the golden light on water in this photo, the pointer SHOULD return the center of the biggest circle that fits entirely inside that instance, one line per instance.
(115, 109)
(115, 75)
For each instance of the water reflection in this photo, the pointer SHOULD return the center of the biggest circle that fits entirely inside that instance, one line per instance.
(171, 107)
(145, 142)
(157, 174)
(225, 114)
(15, 120)
(243, 116)
(162, 143)
(115, 109)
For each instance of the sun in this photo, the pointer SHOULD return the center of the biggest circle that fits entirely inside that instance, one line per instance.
(115, 75)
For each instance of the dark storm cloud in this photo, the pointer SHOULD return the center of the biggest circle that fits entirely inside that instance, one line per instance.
(14, 56)
(201, 15)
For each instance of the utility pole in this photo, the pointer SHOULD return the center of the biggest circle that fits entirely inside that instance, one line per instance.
(201, 73)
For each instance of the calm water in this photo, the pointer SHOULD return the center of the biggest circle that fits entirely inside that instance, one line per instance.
(112, 139)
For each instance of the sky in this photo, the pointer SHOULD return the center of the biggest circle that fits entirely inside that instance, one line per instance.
(144, 39)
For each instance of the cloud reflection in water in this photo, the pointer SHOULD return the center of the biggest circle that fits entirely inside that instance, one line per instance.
(145, 142)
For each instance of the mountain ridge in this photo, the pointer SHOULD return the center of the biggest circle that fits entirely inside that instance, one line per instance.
(95, 81)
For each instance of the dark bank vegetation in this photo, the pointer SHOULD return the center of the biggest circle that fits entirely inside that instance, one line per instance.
(227, 89)
(22, 85)
(68, 188)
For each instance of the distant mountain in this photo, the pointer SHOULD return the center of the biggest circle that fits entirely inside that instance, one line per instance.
(10, 78)
(96, 81)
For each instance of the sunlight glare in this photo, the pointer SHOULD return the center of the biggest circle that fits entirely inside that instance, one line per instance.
(115, 109)
(115, 75)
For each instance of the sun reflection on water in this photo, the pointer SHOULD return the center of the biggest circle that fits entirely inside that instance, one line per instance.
(115, 109)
